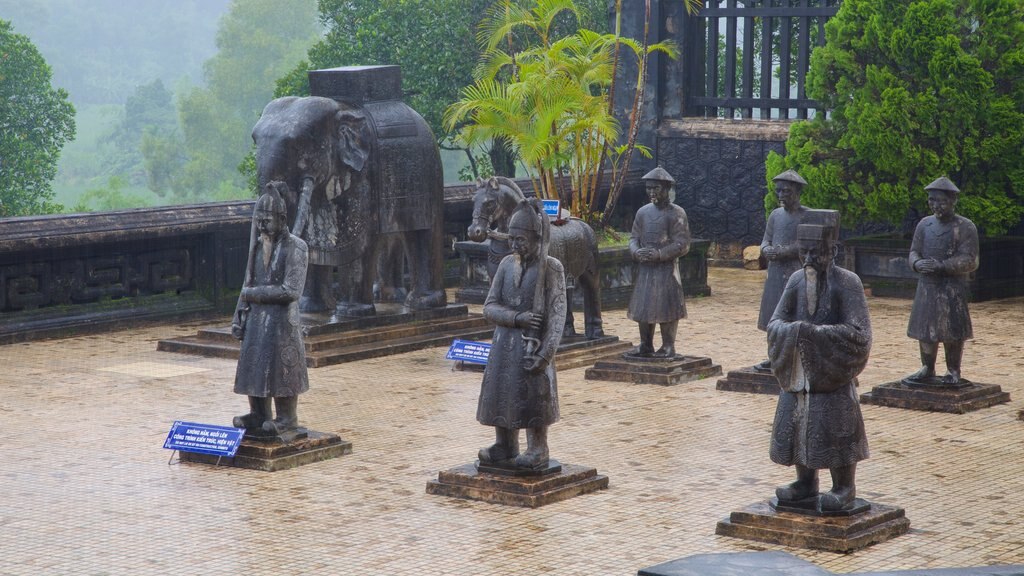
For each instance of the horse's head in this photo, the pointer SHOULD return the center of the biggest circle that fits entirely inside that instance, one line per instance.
(486, 209)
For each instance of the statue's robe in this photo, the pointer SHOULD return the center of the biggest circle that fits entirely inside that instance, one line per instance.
(658, 288)
(816, 358)
(780, 232)
(273, 360)
(940, 311)
(511, 397)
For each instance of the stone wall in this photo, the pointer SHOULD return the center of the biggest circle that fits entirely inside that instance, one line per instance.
(720, 176)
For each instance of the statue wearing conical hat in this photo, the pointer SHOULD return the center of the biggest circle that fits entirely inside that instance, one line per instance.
(779, 245)
(660, 236)
(944, 252)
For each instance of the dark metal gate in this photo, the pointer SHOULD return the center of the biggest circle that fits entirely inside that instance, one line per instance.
(749, 58)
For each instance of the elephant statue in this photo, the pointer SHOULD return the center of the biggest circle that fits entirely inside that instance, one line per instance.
(362, 179)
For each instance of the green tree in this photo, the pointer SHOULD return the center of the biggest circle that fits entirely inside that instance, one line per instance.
(258, 41)
(916, 90)
(549, 100)
(433, 42)
(36, 121)
(148, 114)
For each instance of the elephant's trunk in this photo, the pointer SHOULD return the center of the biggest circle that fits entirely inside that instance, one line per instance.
(302, 214)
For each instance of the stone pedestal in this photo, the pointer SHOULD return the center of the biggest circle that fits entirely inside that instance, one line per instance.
(764, 522)
(274, 455)
(563, 481)
(934, 397)
(661, 371)
(736, 564)
(749, 380)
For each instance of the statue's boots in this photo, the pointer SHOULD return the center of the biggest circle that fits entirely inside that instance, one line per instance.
(536, 455)
(505, 447)
(929, 351)
(954, 354)
(646, 347)
(764, 365)
(259, 412)
(806, 485)
(668, 340)
(287, 415)
(843, 491)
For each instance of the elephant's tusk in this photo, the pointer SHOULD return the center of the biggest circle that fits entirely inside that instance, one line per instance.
(303, 209)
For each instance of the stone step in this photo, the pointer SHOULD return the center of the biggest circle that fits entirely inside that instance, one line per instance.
(325, 342)
(396, 346)
(586, 356)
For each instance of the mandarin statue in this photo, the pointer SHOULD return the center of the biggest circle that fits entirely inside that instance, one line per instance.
(818, 341)
(779, 246)
(272, 364)
(660, 236)
(944, 252)
(527, 303)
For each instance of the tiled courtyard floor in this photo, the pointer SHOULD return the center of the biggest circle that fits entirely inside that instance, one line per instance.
(85, 487)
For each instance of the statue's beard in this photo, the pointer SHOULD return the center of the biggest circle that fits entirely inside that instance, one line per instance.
(268, 247)
(811, 275)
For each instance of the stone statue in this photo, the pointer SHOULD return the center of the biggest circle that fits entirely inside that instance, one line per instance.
(818, 341)
(272, 364)
(944, 252)
(779, 246)
(660, 236)
(573, 243)
(527, 302)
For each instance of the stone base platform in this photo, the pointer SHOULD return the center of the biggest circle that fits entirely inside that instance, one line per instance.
(530, 491)
(956, 400)
(763, 523)
(331, 339)
(661, 371)
(271, 456)
(749, 380)
(784, 564)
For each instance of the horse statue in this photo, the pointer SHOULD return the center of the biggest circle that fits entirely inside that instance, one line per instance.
(572, 242)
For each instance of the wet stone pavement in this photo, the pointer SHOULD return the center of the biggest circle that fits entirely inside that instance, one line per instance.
(85, 487)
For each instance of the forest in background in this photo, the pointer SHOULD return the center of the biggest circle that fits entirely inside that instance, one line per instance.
(165, 92)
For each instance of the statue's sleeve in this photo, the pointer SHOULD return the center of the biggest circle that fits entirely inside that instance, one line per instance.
(494, 310)
(769, 231)
(916, 245)
(679, 243)
(834, 354)
(290, 289)
(784, 335)
(635, 234)
(965, 258)
(555, 301)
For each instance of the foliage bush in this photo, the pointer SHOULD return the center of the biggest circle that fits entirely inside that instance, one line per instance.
(36, 120)
(916, 90)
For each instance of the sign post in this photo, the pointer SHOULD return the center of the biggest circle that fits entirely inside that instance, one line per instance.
(219, 441)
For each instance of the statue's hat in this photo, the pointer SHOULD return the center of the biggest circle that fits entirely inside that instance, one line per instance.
(944, 184)
(271, 200)
(659, 174)
(819, 225)
(790, 176)
(526, 218)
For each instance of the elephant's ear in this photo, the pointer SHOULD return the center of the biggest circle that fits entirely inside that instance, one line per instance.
(353, 139)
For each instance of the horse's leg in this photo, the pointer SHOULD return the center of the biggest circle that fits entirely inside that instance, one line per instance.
(590, 282)
(570, 322)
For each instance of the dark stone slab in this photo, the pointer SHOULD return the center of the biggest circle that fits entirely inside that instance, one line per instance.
(749, 380)
(1005, 570)
(955, 400)
(530, 491)
(737, 564)
(553, 467)
(809, 507)
(664, 372)
(843, 534)
(275, 455)
(357, 85)
(783, 564)
(332, 340)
